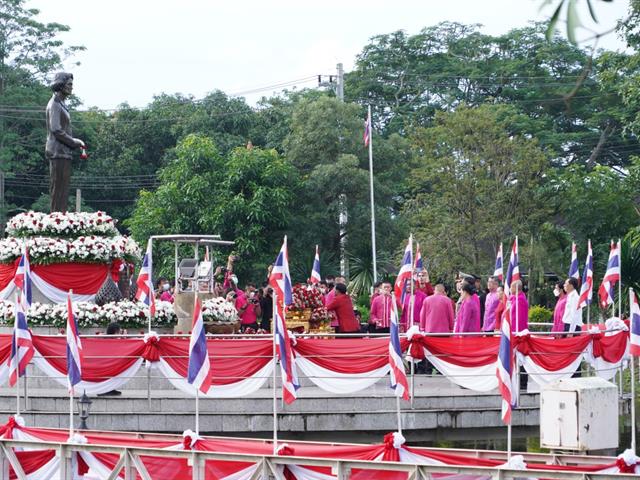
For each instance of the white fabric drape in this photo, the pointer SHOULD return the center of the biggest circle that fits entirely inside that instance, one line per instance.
(542, 376)
(91, 388)
(233, 390)
(479, 379)
(340, 383)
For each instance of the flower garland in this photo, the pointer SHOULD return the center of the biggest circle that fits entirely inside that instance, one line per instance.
(89, 249)
(128, 314)
(219, 310)
(56, 224)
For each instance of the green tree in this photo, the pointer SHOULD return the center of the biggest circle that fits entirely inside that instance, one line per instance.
(244, 197)
(473, 185)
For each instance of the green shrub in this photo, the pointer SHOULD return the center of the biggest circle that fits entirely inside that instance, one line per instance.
(539, 314)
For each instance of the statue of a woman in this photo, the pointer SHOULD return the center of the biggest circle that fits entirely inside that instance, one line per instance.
(60, 143)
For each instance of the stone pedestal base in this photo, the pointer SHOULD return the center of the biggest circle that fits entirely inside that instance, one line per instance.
(183, 306)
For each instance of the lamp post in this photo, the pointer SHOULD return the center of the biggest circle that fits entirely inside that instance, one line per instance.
(84, 406)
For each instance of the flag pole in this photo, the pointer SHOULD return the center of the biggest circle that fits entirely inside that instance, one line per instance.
(509, 441)
(411, 297)
(275, 362)
(16, 359)
(68, 378)
(195, 305)
(151, 292)
(619, 282)
(633, 404)
(373, 212)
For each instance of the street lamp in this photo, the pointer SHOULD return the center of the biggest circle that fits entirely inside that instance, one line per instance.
(84, 405)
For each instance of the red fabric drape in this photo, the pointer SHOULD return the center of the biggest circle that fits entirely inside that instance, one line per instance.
(464, 351)
(103, 358)
(32, 461)
(610, 348)
(346, 355)
(5, 347)
(83, 278)
(552, 353)
(7, 272)
(231, 360)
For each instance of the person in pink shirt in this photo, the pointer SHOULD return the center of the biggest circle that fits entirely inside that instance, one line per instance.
(436, 315)
(418, 298)
(381, 309)
(519, 308)
(468, 319)
(328, 299)
(558, 311)
(491, 302)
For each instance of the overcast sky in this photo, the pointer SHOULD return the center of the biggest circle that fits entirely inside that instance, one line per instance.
(139, 48)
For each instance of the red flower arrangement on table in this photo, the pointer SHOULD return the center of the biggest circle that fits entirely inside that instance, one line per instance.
(310, 299)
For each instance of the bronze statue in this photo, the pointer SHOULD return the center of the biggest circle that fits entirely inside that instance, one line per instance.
(60, 143)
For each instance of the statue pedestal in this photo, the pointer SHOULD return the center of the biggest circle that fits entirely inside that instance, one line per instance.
(183, 304)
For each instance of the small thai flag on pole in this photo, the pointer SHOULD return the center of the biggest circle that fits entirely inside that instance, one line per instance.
(513, 271)
(398, 376)
(280, 281)
(607, 290)
(586, 289)
(144, 293)
(22, 279)
(498, 270)
(573, 269)
(21, 345)
(74, 348)
(199, 370)
(418, 265)
(505, 370)
(404, 275)
(366, 136)
(634, 335)
(315, 271)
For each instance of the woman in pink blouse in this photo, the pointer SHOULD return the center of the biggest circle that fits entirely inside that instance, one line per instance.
(558, 312)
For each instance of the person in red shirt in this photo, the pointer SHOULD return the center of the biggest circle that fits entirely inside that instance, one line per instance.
(382, 308)
(423, 284)
(342, 305)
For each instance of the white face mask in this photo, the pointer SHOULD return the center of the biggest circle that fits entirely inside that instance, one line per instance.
(166, 286)
(556, 292)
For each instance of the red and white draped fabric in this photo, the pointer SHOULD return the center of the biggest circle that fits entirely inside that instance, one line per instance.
(54, 281)
(43, 464)
(342, 366)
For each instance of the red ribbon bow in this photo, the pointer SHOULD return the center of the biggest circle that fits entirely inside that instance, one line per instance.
(624, 468)
(151, 352)
(416, 349)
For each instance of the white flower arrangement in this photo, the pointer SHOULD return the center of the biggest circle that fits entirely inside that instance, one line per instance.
(69, 224)
(128, 314)
(91, 249)
(219, 310)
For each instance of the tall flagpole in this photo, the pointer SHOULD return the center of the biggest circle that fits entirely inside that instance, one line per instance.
(619, 282)
(411, 297)
(373, 212)
(195, 305)
(68, 378)
(17, 358)
(275, 362)
(633, 377)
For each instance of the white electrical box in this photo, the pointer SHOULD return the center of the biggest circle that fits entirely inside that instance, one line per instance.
(579, 414)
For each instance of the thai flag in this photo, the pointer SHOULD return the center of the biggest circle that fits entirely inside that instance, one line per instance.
(417, 265)
(144, 293)
(22, 279)
(607, 290)
(366, 136)
(398, 376)
(634, 335)
(74, 348)
(404, 275)
(280, 281)
(573, 269)
(505, 371)
(498, 270)
(586, 289)
(199, 371)
(513, 271)
(21, 345)
(315, 271)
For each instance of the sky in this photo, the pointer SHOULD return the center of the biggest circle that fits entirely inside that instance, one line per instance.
(140, 48)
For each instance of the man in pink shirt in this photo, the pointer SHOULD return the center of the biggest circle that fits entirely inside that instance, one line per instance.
(380, 314)
(436, 315)
(418, 299)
